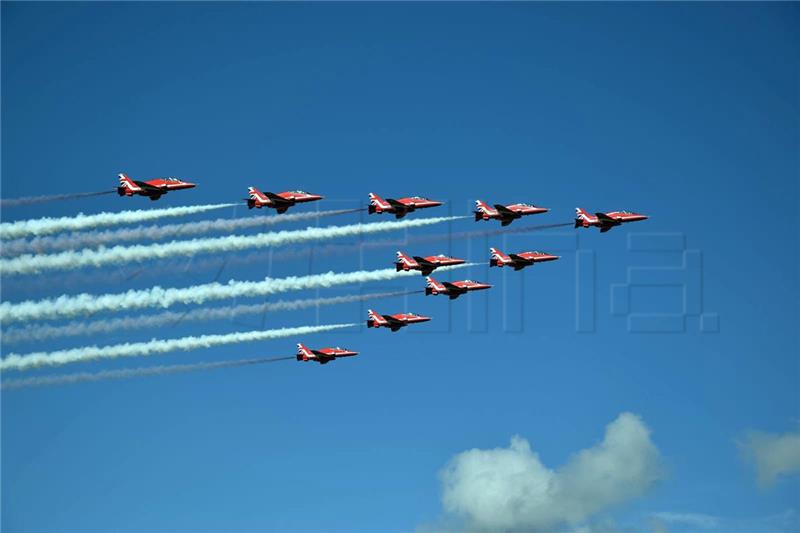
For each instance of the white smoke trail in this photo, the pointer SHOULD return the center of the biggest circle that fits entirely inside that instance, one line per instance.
(92, 239)
(204, 264)
(153, 347)
(48, 226)
(125, 373)
(43, 332)
(30, 264)
(28, 200)
(85, 304)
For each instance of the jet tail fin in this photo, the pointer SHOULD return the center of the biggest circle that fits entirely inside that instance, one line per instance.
(498, 258)
(303, 353)
(377, 203)
(126, 183)
(374, 319)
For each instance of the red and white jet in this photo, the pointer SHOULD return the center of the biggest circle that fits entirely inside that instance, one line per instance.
(323, 355)
(605, 221)
(520, 260)
(399, 207)
(281, 201)
(426, 265)
(393, 322)
(453, 289)
(506, 214)
(153, 189)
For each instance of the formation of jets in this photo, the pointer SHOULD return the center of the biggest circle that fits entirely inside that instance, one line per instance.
(505, 214)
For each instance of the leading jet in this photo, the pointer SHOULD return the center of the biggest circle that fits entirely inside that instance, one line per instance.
(605, 221)
(153, 189)
(426, 265)
(323, 355)
(453, 289)
(393, 322)
(519, 260)
(506, 214)
(281, 201)
(399, 207)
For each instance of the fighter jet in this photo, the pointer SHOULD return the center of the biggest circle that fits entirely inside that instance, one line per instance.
(453, 289)
(506, 214)
(426, 265)
(605, 221)
(399, 207)
(393, 322)
(281, 201)
(153, 189)
(520, 260)
(323, 355)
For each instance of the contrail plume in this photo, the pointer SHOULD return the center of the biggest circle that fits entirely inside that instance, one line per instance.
(93, 239)
(27, 200)
(203, 264)
(43, 332)
(84, 304)
(153, 347)
(125, 373)
(30, 264)
(48, 226)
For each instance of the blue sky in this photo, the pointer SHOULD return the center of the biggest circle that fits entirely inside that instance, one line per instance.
(688, 113)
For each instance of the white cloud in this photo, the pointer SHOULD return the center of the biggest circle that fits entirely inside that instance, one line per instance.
(773, 454)
(510, 489)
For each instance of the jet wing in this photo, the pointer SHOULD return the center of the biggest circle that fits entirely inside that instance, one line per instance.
(393, 322)
(323, 357)
(518, 259)
(149, 188)
(453, 288)
(506, 212)
(605, 219)
(399, 207)
(278, 200)
(425, 266)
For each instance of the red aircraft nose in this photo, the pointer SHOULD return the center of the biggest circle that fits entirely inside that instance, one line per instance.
(315, 197)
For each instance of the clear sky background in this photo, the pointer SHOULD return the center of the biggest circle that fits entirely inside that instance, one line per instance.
(688, 113)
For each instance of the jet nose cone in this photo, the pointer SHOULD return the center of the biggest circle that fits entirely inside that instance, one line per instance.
(435, 203)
